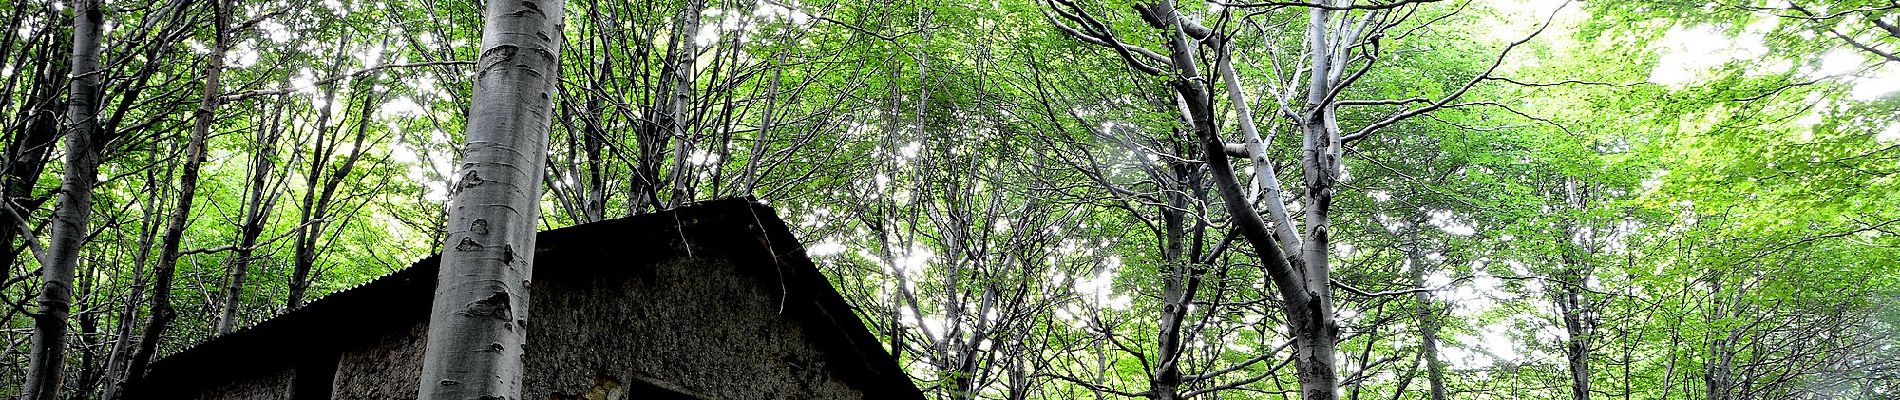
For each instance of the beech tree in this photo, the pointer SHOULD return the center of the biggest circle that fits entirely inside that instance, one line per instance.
(477, 323)
(46, 368)
(1342, 44)
(1025, 199)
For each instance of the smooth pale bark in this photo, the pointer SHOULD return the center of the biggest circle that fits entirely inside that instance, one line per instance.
(1308, 306)
(668, 120)
(594, 205)
(168, 254)
(1304, 279)
(1310, 302)
(1299, 266)
(1317, 339)
(477, 323)
(680, 101)
(1299, 269)
(46, 360)
(751, 176)
(1256, 150)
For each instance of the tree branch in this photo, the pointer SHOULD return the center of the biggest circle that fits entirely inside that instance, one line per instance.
(1373, 6)
(1460, 92)
(240, 96)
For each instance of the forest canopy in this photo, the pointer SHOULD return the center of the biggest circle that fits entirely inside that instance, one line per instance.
(1024, 199)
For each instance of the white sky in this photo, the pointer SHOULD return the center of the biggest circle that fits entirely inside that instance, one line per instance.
(1689, 53)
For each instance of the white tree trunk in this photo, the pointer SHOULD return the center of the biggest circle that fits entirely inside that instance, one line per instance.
(47, 358)
(477, 323)
(680, 100)
(1256, 146)
(1316, 333)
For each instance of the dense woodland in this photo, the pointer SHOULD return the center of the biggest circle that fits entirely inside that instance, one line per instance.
(1028, 199)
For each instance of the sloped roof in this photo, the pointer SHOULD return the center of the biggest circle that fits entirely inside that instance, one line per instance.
(401, 299)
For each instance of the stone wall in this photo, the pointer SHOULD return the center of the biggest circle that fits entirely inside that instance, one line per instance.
(386, 369)
(711, 301)
(700, 326)
(273, 385)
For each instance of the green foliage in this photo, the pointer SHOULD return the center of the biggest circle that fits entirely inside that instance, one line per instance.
(994, 195)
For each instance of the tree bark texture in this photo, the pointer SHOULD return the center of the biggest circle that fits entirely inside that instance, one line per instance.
(477, 323)
(47, 355)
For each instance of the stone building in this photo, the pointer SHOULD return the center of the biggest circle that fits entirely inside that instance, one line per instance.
(710, 301)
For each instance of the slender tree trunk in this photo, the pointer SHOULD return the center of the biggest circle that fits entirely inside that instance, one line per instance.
(316, 198)
(122, 346)
(1434, 367)
(25, 158)
(162, 311)
(1316, 333)
(1264, 174)
(680, 102)
(46, 362)
(1302, 277)
(761, 139)
(1717, 373)
(1577, 348)
(89, 372)
(1573, 304)
(1178, 283)
(594, 139)
(477, 324)
(1427, 313)
(26, 155)
(86, 343)
(684, 126)
(256, 211)
(318, 214)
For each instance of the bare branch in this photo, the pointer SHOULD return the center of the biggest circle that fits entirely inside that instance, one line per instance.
(1323, 6)
(1559, 83)
(1460, 92)
(846, 25)
(1094, 32)
(241, 96)
(1094, 386)
(1890, 56)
